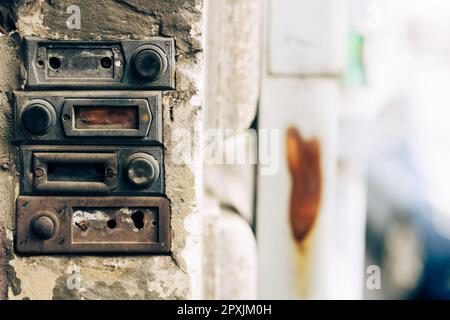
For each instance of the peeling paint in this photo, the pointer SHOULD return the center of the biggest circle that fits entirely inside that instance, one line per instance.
(14, 283)
(97, 215)
(115, 225)
(31, 17)
(40, 279)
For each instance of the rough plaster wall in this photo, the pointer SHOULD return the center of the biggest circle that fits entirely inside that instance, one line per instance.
(230, 254)
(162, 277)
(9, 80)
(233, 63)
(232, 87)
(231, 94)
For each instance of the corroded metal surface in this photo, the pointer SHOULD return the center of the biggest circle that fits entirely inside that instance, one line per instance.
(100, 64)
(86, 169)
(304, 165)
(94, 225)
(93, 117)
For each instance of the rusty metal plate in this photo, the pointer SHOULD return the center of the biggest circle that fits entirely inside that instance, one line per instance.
(89, 225)
(107, 170)
(121, 64)
(97, 117)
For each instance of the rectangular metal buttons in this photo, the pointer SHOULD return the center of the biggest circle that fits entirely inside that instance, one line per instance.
(92, 173)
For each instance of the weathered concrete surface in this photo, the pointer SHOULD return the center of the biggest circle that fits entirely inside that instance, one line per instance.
(163, 277)
(233, 184)
(232, 82)
(237, 257)
(230, 254)
(9, 75)
(233, 63)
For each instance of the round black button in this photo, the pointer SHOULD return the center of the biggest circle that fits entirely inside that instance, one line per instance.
(44, 227)
(148, 64)
(37, 119)
(143, 170)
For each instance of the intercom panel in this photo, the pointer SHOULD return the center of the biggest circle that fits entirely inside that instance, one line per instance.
(114, 170)
(78, 117)
(57, 225)
(137, 64)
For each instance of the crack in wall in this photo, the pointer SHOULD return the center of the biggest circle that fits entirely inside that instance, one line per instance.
(134, 8)
(3, 272)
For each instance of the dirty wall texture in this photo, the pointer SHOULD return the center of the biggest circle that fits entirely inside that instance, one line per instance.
(232, 87)
(107, 277)
(233, 65)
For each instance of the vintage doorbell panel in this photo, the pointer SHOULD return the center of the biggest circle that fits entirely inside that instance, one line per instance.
(77, 117)
(90, 129)
(115, 170)
(137, 64)
(59, 225)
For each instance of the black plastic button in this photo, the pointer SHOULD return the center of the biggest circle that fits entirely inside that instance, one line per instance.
(143, 170)
(149, 64)
(37, 119)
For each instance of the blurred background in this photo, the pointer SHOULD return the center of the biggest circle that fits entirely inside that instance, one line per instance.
(349, 198)
(407, 176)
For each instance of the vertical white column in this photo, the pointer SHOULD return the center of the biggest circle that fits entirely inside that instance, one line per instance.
(305, 50)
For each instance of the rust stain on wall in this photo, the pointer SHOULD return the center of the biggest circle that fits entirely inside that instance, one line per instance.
(3, 274)
(304, 161)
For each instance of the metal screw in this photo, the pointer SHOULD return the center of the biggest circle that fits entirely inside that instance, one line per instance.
(110, 173)
(83, 225)
(39, 172)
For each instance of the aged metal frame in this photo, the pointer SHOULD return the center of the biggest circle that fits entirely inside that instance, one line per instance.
(69, 118)
(61, 209)
(93, 184)
(150, 130)
(119, 75)
(41, 181)
(34, 158)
